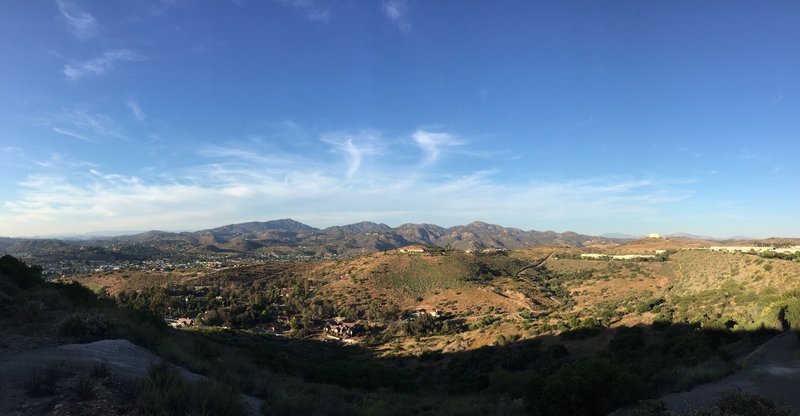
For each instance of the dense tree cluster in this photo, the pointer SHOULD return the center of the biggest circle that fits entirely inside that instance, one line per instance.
(238, 306)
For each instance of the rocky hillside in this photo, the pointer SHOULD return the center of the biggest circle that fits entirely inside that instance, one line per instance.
(291, 238)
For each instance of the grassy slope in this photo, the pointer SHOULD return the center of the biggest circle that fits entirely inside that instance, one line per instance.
(693, 286)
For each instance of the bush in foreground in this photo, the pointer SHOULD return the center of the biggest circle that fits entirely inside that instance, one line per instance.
(86, 326)
(743, 404)
(21, 274)
(165, 393)
(42, 381)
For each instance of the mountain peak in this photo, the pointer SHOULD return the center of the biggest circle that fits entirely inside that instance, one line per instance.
(286, 224)
(360, 227)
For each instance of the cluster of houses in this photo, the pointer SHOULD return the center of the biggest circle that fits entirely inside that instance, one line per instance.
(339, 328)
(413, 249)
(487, 250)
(279, 326)
(433, 313)
(180, 322)
(618, 256)
(419, 249)
(754, 249)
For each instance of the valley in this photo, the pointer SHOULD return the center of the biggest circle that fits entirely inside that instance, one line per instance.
(585, 327)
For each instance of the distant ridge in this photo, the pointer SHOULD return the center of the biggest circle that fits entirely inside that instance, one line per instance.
(289, 237)
(690, 236)
(286, 224)
(686, 236)
(359, 227)
(622, 236)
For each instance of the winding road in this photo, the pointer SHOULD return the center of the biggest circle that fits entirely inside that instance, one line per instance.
(535, 265)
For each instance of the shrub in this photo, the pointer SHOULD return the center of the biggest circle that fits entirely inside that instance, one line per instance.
(84, 388)
(100, 370)
(42, 382)
(422, 325)
(165, 393)
(20, 273)
(557, 351)
(792, 314)
(29, 310)
(627, 339)
(484, 322)
(299, 402)
(6, 302)
(77, 293)
(593, 386)
(650, 408)
(662, 322)
(743, 404)
(86, 327)
(648, 305)
(520, 357)
(580, 333)
(582, 329)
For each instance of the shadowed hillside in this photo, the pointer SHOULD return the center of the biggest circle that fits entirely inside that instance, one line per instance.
(590, 369)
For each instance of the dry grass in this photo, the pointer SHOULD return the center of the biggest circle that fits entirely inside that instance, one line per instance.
(695, 285)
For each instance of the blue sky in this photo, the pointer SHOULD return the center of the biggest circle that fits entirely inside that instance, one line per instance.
(604, 116)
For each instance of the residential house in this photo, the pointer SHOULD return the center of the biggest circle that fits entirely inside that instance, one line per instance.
(344, 329)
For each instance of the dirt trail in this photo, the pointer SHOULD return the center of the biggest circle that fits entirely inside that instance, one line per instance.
(535, 265)
(771, 371)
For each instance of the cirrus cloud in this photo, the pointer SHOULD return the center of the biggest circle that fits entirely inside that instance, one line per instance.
(396, 11)
(432, 143)
(99, 65)
(233, 184)
(81, 23)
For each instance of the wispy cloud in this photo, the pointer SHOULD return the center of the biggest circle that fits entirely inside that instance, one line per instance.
(776, 99)
(10, 150)
(65, 132)
(353, 153)
(81, 23)
(313, 9)
(432, 143)
(746, 154)
(97, 199)
(99, 65)
(353, 148)
(241, 181)
(136, 110)
(13, 158)
(234, 154)
(160, 7)
(62, 162)
(396, 11)
(141, 10)
(84, 124)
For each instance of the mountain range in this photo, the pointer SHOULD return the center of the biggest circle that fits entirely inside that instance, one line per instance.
(366, 237)
(290, 237)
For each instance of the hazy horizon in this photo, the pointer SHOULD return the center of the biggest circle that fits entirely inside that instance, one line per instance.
(604, 117)
(610, 234)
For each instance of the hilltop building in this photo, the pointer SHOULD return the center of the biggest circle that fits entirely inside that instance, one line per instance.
(412, 249)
